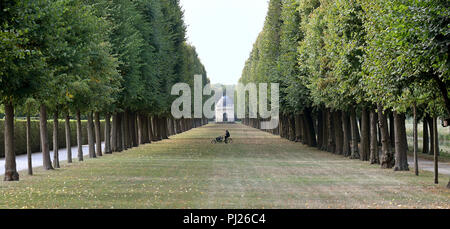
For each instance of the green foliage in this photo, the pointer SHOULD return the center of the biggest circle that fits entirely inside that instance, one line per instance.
(355, 53)
(294, 95)
(100, 55)
(407, 52)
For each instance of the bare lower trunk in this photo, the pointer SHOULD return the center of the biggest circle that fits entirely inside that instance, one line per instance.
(387, 159)
(164, 128)
(365, 136)
(391, 128)
(145, 129)
(108, 133)
(98, 135)
(436, 151)
(430, 124)
(47, 163)
(325, 130)
(374, 157)
(338, 132)
(68, 140)
(354, 135)
(120, 128)
(425, 138)
(347, 134)
(291, 128)
(319, 129)
(79, 137)
(29, 158)
(161, 128)
(133, 130)
(140, 129)
(416, 141)
(155, 128)
(149, 129)
(55, 141)
(331, 135)
(114, 131)
(90, 133)
(126, 130)
(122, 133)
(10, 156)
(401, 157)
(298, 128)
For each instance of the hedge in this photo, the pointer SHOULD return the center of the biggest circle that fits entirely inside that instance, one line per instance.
(20, 140)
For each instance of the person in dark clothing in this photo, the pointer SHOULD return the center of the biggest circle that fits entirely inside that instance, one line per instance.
(227, 135)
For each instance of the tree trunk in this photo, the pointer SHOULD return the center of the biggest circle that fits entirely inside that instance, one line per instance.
(436, 151)
(425, 138)
(175, 127)
(310, 127)
(391, 128)
(108, 133)
(365, 135)
(354, 135)
(324, 130)
(347, 134)
(10, 156)
(387, 159)
(68, 140)
(319, 129)
(98, 135)
(123, 132)
(291, 128)
(156, 128)
(416, 140)
(47, 163)
(55, 140)
(149, 129)
(90, 133)
(331, 134)
(119, 135)
(140, 129)
(430, 124)
(401, 157)
(79, 137)
(374, 157)
(298, 128)
(161, 127)
(28, 133)
(114, 130)
(164, 128)
(133, 130)
(174, 130)
(338, 132)
(144, 120)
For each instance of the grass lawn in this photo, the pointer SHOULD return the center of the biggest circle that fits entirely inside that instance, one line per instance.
(258, 170)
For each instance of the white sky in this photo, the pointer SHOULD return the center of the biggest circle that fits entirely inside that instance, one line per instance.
(223, 32)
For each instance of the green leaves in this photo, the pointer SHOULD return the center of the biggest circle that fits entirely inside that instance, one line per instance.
(94, 55)
(355, 52)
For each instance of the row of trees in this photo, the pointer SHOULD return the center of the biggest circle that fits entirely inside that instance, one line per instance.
(97, 58)
(340, 63)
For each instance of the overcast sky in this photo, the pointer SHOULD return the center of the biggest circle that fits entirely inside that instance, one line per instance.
(223, 32)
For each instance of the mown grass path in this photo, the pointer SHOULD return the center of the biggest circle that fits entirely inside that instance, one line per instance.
(258, 170)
